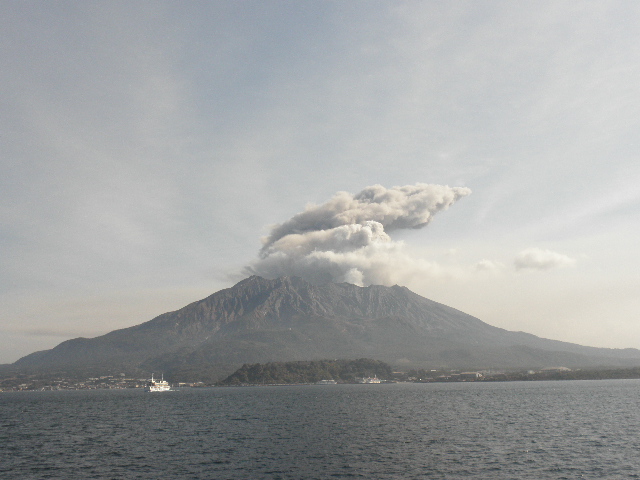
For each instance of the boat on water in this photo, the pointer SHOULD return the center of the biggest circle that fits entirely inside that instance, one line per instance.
(326, 382)
(373, 379)
(157, 385)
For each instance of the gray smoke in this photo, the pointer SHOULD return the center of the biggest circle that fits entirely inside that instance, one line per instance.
(346, 239)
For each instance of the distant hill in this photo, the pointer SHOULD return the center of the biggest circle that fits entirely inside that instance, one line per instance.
(310, 371)
(285, 319)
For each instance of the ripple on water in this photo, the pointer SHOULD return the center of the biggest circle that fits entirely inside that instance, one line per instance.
(537, 430)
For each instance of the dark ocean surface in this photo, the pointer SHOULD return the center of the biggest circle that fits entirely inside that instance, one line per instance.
(516, 430)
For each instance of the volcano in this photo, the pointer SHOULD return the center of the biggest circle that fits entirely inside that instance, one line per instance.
(260, 320)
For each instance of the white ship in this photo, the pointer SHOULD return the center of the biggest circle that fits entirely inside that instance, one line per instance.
(326, 382)
(373, 379)
(157, 385)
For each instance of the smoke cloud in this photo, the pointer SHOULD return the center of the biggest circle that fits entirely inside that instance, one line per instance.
(346, 239)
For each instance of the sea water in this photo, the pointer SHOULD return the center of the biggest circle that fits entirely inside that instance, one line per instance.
(515, 430)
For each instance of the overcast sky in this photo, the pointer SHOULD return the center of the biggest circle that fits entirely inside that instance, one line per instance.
(147, 149)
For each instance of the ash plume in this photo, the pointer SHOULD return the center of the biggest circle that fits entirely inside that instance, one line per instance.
(346, 238)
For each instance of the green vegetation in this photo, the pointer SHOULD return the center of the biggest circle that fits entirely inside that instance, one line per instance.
(426, 376)
(582, 374)
(344, 371)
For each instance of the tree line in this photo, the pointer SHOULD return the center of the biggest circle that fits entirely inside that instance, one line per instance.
(312, 371)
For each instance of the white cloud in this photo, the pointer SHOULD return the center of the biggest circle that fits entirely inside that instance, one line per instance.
(539, 259)
(485, 265)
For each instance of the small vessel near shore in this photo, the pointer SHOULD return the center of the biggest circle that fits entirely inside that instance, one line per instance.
(157, 385)
(373, 379)
(326, 382)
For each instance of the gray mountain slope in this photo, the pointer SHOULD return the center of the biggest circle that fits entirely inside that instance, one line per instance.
(260, 320)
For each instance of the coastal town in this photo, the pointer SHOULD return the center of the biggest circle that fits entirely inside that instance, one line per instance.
(36, 382)
(40, 382)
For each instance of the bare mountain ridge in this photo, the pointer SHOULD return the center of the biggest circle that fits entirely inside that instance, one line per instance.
(260, 320)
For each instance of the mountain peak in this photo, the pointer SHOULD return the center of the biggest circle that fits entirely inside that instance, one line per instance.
(288, 318)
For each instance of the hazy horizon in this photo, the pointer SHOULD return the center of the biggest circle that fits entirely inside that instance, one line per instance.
(481, 154)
